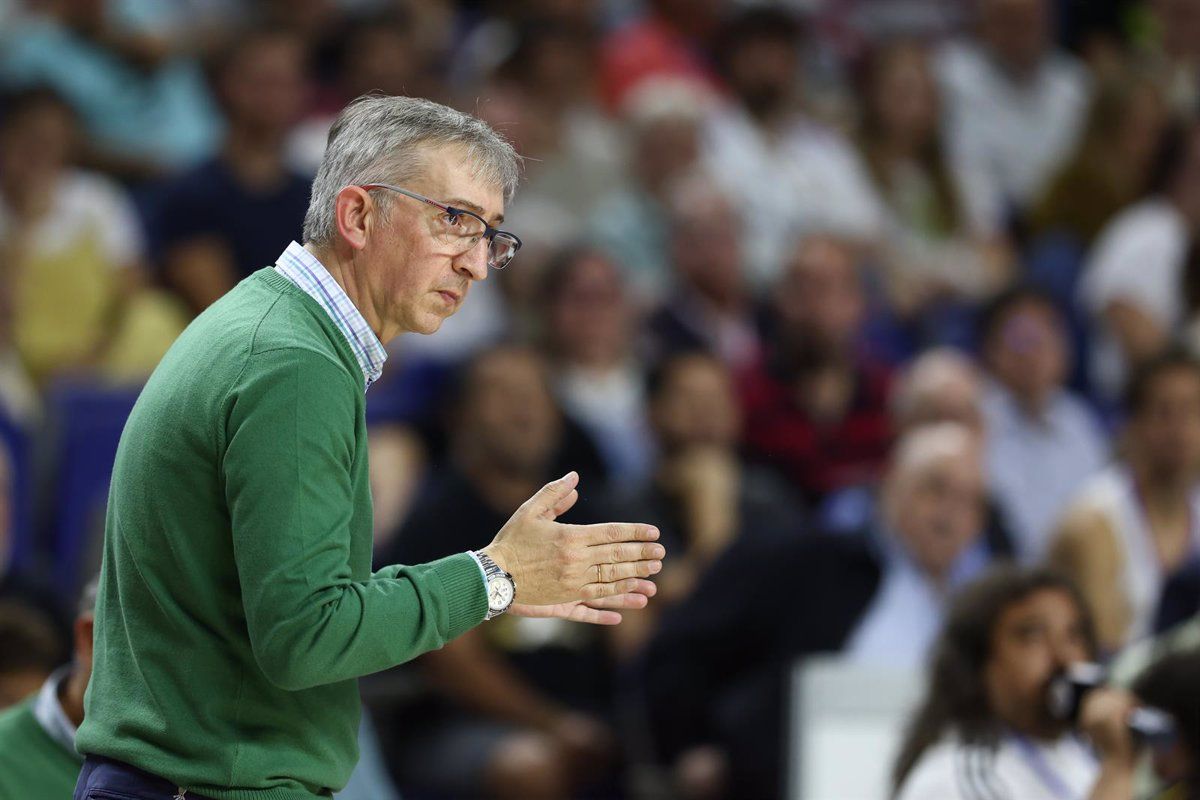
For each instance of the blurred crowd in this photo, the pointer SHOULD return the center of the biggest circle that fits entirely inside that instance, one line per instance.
(854, 299)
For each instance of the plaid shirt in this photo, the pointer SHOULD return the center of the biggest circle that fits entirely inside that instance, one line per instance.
(303, 269)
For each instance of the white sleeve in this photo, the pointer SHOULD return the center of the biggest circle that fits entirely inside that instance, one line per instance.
(116, 220)
(1133, 261)
(934, 777)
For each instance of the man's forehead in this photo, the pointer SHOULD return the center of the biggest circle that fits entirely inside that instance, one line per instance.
(457, 180)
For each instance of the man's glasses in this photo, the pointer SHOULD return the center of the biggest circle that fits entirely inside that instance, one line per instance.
(463, 229)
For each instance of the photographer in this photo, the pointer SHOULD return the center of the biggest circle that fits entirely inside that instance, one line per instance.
(986, 729)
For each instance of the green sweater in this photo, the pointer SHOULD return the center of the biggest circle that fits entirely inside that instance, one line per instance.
(32, 765)
(237, 604)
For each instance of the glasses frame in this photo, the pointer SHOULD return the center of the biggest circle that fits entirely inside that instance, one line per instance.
(489, 233)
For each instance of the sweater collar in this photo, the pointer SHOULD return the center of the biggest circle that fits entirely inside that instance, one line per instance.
(304, 269)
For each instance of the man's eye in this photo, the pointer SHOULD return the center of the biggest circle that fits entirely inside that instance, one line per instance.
(452, 220)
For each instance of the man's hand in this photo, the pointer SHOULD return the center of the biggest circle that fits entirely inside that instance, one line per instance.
(602, 611)
(1103, 719)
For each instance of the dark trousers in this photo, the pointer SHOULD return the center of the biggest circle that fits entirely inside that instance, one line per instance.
(106, 779)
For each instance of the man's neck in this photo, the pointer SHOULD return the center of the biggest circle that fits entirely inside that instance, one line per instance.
(1164, 495)
(70, 697)
(255, 158)
(342, 270)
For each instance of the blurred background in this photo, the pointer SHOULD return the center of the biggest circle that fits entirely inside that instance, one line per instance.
(854, 299)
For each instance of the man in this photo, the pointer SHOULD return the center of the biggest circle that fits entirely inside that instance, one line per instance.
(769, 600)
(985, 730)
(816, 410)
(237, 606)
(1043, 442)
(30, 648)
(37, 737)
(515, 712)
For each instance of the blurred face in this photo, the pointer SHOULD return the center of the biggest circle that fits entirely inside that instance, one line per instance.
(1034, 638)
(414, 277)
(16, 686)
(263, 87)
(904, 95)
(1166, 434)
(696, 406)
(381, 59)
(1016, 31)
(665, 151)
(1028, 353)
(706, 247)
(590, 317)
(509, 419)
(763, 73)
(820, 298)
(936, 508)
(36, 146)
(950, 400)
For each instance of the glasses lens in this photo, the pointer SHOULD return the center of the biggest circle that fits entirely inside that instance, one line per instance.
(504, 246)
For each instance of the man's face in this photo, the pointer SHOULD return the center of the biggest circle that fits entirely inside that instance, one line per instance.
(415, 277)
(36, 145)
(706, 249)
(936, 508)
(696, 406)
(1028, 353)
(1166, 433)
(508, 417)
(1016, 31)
(1034, 638)
(591, 317)
(763, 73)
(264, 85)
(820, 298)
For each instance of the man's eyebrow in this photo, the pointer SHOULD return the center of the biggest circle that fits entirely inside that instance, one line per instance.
(459, 202)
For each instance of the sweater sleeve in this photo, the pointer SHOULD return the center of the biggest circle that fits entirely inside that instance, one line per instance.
(287, 471)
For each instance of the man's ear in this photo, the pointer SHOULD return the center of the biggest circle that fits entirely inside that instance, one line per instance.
(84, 630)
(355, 213)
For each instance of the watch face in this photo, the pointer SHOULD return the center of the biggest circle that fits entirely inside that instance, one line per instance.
(500, 593)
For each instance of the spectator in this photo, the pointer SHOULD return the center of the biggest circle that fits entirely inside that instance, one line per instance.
(517, 706)
(72, 249)
(816, 410)
(631, 224)
(875, 596)
(931, 252)
(1174, 46)
(1134, 282)
(701, 497)
(589, 336)
(37, 737)
(710, 307)
(30, 650)
(1014, 106)
(985, 722)
(1172, 684)
(224, 219)
(1043, 442)
(1135, 524)
(1110, 165)
(940, 385)
(783, 172)
(145, 110)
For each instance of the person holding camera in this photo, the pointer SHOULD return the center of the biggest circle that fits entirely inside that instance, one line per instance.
(988, 729)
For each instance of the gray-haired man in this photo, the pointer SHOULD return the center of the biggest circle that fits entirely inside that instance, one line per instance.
(236, 603)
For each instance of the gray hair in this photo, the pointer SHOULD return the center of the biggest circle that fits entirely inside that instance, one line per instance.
(87, 598)
(379, 138)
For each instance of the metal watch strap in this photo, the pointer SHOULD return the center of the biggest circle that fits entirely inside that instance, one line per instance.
(491, 570)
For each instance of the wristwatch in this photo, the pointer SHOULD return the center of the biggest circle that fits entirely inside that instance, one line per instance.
(501, 589)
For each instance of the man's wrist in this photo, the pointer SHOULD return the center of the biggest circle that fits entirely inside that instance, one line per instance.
(482, 571)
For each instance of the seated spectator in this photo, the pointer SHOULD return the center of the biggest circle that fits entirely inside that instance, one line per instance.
(225, 218)
(1014, 107)
(632, 223)
(816, 409)
(37, 736)
(518, 705)
(931, 252)
(1109, 167)
(940, 385)
(589, 337)
(1134, 524)
(701, 497)
(1043, 442)
(709, 307)
(72, 250)
(1135, 282)
(145, 109)
(985, 728)
(30, 648)
(782, 171)
(770, 600)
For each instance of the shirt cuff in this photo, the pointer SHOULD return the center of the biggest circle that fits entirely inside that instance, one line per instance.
(478, 563)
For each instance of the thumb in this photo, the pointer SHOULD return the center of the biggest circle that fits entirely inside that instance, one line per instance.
(555, 497)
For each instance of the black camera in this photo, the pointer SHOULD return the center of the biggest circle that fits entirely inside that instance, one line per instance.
(1067, 690)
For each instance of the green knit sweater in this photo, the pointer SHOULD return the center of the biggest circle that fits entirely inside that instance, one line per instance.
(32, 765)
(237, 604)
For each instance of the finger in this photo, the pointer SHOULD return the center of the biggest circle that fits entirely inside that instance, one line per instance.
(552, 496)
(595, 591)
(629, 600)
(608, 573)
(626, 551)
(608, 532)
(564, 505)
(594, 616)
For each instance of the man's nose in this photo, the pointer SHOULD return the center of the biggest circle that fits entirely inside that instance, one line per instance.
(474, 262)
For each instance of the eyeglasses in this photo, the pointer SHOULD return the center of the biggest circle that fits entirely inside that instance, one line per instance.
(463, 229)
